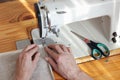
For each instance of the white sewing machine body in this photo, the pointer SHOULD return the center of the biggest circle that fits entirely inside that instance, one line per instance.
(94, 19)
(61, 12)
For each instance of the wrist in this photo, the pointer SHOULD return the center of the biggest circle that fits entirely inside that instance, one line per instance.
(81, 76)
(77, 76)
(74, 74)
(22, 78)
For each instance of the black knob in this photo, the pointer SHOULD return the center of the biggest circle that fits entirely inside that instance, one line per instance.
(115, 34)
(114, 40)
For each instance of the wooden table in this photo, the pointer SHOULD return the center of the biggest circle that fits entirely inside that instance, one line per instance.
(17, 19)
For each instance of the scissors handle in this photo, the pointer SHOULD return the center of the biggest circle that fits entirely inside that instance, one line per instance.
(98, 49)
(104, 49)
(96, 54)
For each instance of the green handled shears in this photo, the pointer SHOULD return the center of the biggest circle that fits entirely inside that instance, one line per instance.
(97, 49)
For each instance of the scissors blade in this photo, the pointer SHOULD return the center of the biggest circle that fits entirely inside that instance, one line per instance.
(81, 37)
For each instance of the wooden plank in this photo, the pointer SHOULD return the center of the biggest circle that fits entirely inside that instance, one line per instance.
(10, 33)
(103, 69)
(15, 11)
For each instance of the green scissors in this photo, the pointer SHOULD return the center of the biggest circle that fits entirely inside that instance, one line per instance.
(97, 49)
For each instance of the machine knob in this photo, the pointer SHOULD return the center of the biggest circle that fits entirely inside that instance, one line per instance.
(115, 34)
(114, 40)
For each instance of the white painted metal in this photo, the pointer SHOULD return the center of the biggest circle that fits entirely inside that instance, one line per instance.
(79, 10)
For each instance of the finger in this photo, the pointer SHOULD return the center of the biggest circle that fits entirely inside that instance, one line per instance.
(56, 47)
(29, 47)
(33, 51)
(51, 53)
(69, 50)
(51, 62)
(36, 58)
(64, 48)
(20, 56)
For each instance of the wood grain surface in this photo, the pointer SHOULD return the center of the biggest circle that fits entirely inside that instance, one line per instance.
(17, 19)
(103, 69)
(12, 32)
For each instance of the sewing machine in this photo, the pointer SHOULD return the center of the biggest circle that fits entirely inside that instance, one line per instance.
(97, 20)
(52, 14)
(55, 13)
